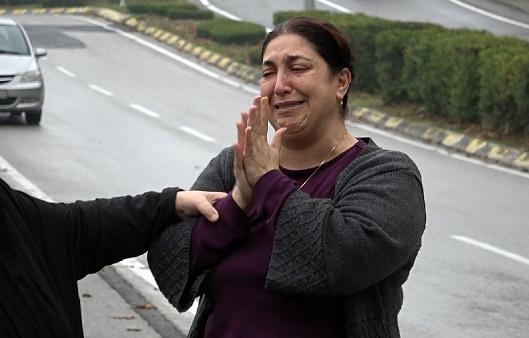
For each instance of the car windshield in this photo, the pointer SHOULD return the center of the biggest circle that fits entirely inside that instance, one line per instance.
(12, 41)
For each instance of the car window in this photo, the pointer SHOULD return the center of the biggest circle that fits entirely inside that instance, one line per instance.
(12, 41)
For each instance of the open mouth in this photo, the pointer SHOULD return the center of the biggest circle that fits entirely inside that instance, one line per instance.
(286, 105)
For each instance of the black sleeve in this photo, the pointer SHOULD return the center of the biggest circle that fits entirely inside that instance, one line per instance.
(91, 234)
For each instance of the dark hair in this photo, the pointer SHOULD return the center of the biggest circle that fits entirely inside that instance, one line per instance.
(328, 41)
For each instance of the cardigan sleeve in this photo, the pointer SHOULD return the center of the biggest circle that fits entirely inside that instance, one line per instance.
(170, 255)
(369, 230)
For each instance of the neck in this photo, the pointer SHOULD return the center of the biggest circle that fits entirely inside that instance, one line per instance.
(296, 156)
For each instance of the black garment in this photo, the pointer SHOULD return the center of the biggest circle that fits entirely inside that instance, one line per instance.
(45, 248)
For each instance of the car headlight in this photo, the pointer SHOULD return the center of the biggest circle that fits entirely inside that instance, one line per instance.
(31, 76)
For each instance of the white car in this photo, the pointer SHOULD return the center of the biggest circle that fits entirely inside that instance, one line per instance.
(21, 83)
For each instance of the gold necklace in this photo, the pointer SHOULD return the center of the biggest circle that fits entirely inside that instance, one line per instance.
(325, 159)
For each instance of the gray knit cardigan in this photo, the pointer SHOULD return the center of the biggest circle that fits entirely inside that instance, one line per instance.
(360, 245)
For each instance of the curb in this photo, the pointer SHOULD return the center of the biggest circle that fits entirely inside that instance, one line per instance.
(459, 142)
(463, 143)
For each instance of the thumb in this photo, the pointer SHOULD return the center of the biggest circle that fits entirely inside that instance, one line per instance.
(276, 140)
(207, 209)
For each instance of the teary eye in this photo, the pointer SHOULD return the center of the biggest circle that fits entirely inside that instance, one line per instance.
(266, 73)
(298, 68)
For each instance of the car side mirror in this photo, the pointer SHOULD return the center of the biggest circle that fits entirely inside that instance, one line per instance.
(40, 52)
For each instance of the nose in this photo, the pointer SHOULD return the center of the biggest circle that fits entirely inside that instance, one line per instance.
(282, 85)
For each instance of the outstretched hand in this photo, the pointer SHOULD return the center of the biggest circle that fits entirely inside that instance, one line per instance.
(190, 203)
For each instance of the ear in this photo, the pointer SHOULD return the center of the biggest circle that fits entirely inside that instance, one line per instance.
(344, 81)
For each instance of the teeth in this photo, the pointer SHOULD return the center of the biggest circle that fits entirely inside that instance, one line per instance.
(288, 105)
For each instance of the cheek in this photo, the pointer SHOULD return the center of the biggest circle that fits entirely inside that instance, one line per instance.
(267, 88)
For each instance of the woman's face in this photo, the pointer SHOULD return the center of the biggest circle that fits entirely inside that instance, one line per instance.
(302, 90)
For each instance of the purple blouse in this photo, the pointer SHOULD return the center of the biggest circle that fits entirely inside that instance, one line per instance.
(239, 247)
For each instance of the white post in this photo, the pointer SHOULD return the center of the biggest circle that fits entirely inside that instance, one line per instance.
(122, 3)
(309, 5)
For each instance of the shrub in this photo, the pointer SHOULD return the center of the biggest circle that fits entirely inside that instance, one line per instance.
(173, 10)
(426, 70)
(231, 32)
(60, 3)
(390, 46)
(254, 55)
(463, 89)
(16, 2)
(504, 87)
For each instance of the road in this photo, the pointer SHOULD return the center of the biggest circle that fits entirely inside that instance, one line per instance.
(122, 116)
(475, 14)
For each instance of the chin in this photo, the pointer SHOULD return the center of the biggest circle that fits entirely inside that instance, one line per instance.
(288, 122)
(293, 129)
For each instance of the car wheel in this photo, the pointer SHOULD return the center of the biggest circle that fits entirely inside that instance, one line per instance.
(33, 117)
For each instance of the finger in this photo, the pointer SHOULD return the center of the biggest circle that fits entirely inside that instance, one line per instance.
(265, 112)
(244, 119)
(215, 196)
(240, 134)
(258, 124)
(252, 116)
(248, 142)
(238, 165)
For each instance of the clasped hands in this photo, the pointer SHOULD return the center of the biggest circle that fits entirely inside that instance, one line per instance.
(253, 155)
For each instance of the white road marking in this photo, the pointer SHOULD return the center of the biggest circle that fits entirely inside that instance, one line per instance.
(101, 90)
(335, 6)
(29, 187)
(144, 110)
(489, 14)
(222, 12)
(492, 248)
(65, 71)
(251, 89)
(198, 134)
(217, 10)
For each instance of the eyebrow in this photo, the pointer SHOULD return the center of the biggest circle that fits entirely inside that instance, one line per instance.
(288, 59)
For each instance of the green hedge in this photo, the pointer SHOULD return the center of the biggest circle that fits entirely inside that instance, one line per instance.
(173, 10)
(426, 71)
(254, 55)
(45, 3)
(504, 88)
(61, 3)
(231, 32)
(16, 2)
(390, 46)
